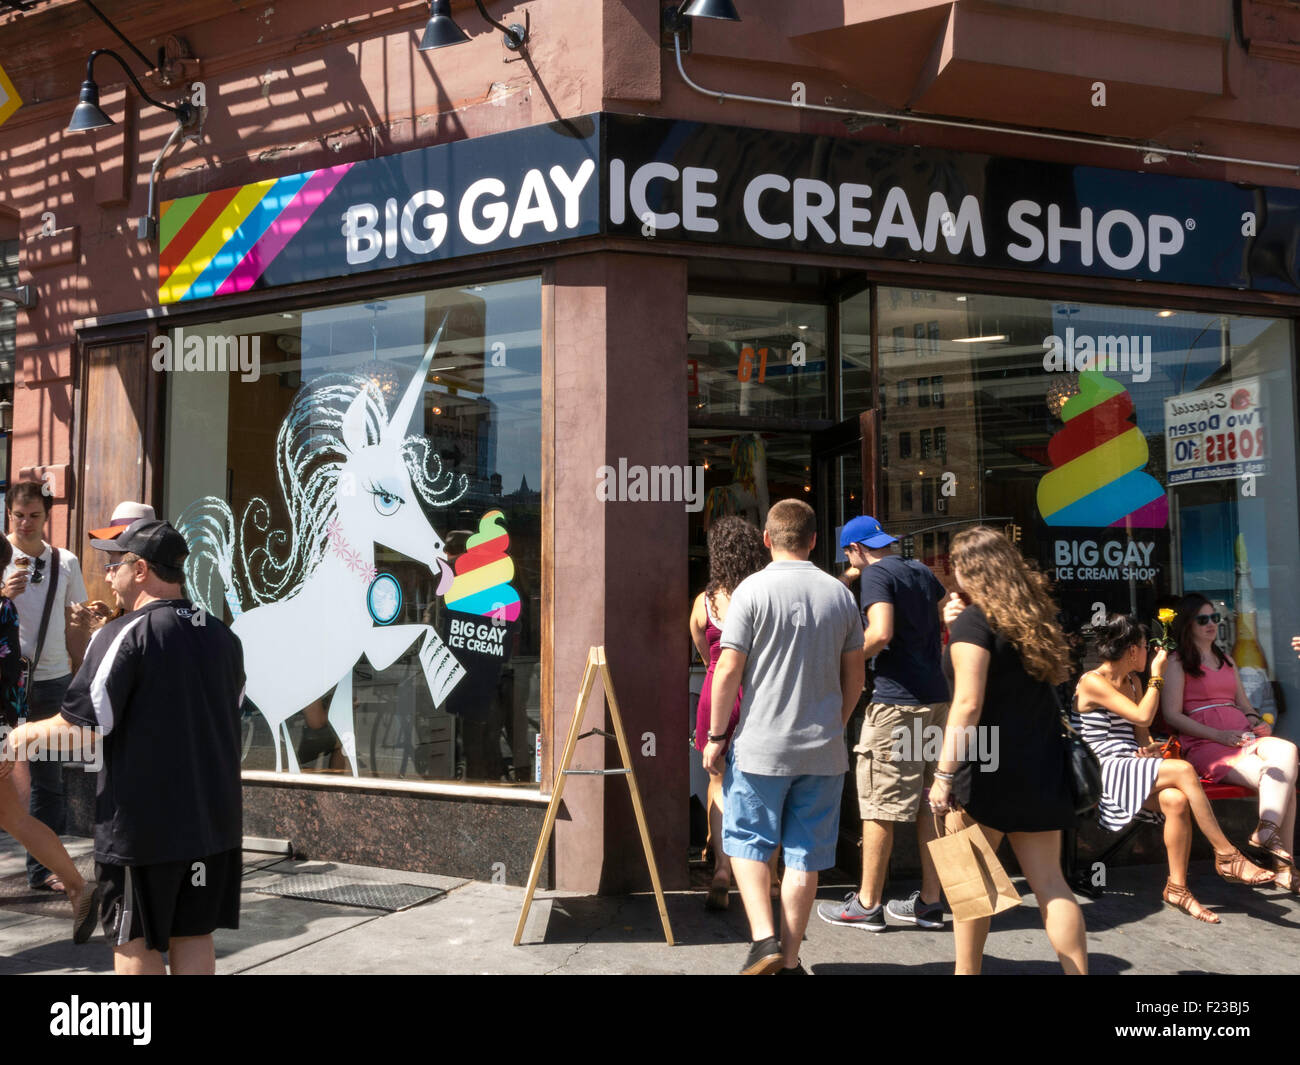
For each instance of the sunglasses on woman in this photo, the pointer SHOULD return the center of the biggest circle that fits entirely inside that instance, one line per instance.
(1208, 619)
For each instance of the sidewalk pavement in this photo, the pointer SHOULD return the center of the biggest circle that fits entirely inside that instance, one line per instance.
(469, 925)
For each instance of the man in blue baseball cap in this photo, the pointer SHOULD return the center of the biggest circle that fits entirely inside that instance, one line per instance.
(901, 603)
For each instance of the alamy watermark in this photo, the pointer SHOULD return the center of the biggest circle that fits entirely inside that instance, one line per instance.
(209, 354)
(70, 744)
(975, 743)
(651, 484)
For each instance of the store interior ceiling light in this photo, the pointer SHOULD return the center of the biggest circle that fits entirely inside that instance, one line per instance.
(441, 29)
(981, 340)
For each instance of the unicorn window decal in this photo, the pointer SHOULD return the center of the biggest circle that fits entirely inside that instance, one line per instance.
(308, 602)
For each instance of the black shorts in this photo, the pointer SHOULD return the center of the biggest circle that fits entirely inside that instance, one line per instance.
(156, 902)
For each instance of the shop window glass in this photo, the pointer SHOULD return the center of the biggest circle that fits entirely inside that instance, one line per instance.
(365, 510)
(855, 354)
(1181, 479)
(759, 358)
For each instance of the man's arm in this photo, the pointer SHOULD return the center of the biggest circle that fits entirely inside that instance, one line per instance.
(853, 676)
(726, 684)
(879, 630)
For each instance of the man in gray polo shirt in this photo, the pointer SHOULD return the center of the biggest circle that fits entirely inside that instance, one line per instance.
(793, 637)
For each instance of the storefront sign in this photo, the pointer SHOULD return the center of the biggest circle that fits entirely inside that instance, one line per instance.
(1094, 560)
(656, 179)
(1216, 434)
(505, 191)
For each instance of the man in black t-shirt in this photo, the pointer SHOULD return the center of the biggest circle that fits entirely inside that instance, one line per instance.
(162, 685)
(903, 728)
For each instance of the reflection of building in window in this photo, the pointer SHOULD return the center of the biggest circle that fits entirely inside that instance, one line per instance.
(904, 445)
(936, 390)
(927, 496)
(941, 442)
(933, 337)
(905, 502)
(904, 393)
(922, 391)
(918, 335)
(884, 450)
(925, 443)
(900, 340)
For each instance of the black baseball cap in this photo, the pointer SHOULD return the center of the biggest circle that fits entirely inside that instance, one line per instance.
(152, 540)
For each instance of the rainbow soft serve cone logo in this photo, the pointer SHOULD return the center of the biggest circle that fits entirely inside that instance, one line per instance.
(1098, 459)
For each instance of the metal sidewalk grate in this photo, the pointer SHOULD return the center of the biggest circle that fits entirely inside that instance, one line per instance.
(348, 891)
(17, 897)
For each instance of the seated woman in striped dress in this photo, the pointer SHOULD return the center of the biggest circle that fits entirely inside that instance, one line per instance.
(1115, 716)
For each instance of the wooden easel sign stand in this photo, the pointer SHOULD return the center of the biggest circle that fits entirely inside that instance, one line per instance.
(596, 664)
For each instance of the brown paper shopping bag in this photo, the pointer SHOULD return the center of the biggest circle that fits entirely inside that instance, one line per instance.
(973, 879)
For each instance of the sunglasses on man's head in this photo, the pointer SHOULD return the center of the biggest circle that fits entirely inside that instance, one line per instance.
(1208, 619)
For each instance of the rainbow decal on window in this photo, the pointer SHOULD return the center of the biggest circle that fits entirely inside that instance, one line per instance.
(221, 242)
(1098, 458)
(483, 574)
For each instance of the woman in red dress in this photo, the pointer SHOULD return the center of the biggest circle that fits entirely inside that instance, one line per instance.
(1225, 739)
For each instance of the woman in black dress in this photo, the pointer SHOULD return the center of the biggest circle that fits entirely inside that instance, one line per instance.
(1005, 653)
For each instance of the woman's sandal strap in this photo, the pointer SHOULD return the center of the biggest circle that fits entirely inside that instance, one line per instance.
(1178, 896)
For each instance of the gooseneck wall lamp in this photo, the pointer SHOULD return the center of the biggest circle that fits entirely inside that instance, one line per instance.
(88, 115)
(441, 30)
(675, 19)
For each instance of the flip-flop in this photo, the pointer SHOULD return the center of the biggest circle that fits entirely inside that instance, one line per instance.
(48, 884)
(83, 921)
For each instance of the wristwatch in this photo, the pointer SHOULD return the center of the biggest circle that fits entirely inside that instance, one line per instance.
(717, 739)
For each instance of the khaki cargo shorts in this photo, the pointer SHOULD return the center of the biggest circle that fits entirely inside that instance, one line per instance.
(896, 754)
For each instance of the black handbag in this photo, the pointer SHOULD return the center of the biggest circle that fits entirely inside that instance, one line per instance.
(1082, 767)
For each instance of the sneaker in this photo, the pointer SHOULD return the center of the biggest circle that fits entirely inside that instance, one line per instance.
(798, 970)
(851, 912)
(914, 911)
(764, 958)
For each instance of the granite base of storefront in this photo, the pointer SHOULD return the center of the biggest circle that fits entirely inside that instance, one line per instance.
(471, 836)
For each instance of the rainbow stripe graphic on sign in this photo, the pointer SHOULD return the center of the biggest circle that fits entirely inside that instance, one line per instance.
(1098, 458)
(222, 242)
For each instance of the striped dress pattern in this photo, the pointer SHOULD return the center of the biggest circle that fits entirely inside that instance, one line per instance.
(1127, 780)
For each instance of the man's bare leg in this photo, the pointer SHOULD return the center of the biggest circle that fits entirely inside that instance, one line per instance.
(798, 892)
(135, 959)
(877, 843)
(192, 956)
(754, 879)
(931, 888)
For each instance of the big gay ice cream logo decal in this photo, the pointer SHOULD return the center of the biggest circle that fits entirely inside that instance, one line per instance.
(1098, 461)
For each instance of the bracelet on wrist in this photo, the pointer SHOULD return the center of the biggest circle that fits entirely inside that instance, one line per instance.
(1156, 682)
(949, 777)
(717, 739)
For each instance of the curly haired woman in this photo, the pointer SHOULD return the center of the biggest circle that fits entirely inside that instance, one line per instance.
(735, 551)
(1005, 653)
(1225, 739)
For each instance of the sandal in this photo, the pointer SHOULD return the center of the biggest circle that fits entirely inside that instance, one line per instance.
(1269, 851)
(51, 883)
(83, 919)
(1236, 868)
(1179, 897)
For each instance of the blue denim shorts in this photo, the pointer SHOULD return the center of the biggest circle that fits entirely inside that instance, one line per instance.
(799, 814)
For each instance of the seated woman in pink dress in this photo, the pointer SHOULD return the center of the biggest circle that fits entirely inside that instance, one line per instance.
(1224, 738)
